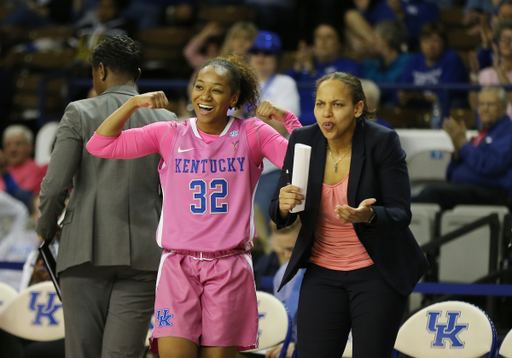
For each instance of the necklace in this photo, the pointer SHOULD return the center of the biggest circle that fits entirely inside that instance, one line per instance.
(339, 160)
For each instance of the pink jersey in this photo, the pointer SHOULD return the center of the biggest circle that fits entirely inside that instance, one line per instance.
(211, 188)
(208, 183)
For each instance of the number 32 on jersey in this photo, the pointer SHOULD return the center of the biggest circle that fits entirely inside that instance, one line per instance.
(203, 201)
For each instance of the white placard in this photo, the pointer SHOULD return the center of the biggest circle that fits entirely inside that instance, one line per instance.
(301, 172)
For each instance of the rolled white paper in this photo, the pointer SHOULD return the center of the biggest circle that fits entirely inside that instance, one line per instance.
(301, 171)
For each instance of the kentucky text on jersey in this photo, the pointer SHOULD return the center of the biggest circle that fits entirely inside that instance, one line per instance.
(209, 165)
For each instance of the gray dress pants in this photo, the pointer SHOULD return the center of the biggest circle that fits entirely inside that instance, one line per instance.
(107, 310)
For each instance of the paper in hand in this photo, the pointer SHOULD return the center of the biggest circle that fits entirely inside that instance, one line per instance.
(301, 171)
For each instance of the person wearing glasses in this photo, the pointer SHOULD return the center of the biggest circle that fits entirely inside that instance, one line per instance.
(480, 171)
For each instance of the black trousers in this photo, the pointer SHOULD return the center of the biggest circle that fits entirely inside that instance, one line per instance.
(448, 195)
(333, 302)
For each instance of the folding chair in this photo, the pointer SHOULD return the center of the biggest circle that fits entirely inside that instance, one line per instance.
(453, 329)
(35, 314)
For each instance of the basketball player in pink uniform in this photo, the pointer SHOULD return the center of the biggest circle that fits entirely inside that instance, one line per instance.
(205, 295)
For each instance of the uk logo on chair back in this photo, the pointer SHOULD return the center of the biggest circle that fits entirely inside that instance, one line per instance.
(451, 329)
(35, 314)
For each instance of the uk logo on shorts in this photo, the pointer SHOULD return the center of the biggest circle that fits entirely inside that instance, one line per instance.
(233, 134)
(446, 331)
(163, 317)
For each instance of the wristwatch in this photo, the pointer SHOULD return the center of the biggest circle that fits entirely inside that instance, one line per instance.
(372, 218)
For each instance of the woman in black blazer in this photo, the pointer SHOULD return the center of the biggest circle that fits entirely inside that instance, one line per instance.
(362, 260)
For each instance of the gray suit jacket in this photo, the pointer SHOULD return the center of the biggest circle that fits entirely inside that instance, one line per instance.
(114, 206)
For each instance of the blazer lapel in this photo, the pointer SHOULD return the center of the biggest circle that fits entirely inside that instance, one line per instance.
(356, 163)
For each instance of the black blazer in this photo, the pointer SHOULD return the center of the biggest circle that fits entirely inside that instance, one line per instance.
(378, 170)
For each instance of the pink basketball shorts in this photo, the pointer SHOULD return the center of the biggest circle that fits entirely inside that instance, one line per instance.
(211, 302)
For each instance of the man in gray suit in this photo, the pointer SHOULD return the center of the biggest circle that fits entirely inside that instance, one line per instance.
(108, 258)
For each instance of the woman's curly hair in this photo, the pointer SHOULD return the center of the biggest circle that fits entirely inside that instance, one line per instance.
(244, 79)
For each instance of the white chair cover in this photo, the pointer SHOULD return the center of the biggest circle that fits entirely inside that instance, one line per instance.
(7, 295)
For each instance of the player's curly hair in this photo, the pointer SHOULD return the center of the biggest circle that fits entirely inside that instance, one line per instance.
(244, 79)
(120, 54)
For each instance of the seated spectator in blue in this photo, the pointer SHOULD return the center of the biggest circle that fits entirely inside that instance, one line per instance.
(390, 60)
(372, 94)
(313, 62)
(283, 242)
(434, 65)
(480, 172)
(414, 14)
(500, 73)
(375, 11)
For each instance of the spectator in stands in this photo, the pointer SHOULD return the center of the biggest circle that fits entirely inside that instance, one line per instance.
(239, 38)
(276, 88)
(501, 71)
(94, 27)
(283, 242)
(372, 93)
(488, 31)
(389, 64)
(375, 11)
(21, 176)
(204, 46)
(314, 62)
(106, 264)
(414, 14)
(435, 64)
(480, 171)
